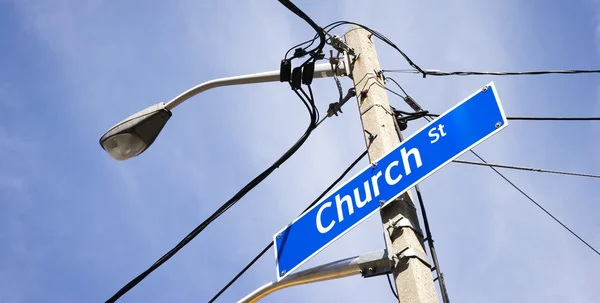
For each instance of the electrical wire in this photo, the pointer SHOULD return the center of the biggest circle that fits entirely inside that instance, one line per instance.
(391, 286)
(389, 279)
(527, 196)
(537, 204)
(431, 72)
(320, 32)
(529, 169)
(384, 39)
(543, 118)
(509, 118)
(432, 250)
(310, 42)
(239, 274)
(314, 117)
(257, 180)
(375, 33)
(525, 73)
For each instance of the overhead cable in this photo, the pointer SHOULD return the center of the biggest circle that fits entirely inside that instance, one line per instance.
(330, 187)
(543, 118)
(433, 72)
(538, 205)
(429, 119)
(314, 120)
(540, 170)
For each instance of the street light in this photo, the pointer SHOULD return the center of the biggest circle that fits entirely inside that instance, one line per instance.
(135, 134)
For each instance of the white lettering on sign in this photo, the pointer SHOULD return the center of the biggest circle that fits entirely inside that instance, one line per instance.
(436, 132)
(319, 224)
(411, 159)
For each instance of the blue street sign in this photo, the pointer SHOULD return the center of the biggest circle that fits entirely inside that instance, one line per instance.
(459, 129)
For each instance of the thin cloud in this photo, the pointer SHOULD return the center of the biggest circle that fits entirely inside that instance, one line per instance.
(119, 58)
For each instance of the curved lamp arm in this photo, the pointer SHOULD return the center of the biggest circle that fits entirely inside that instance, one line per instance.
(368, 265)
(321, 71)
(135, 134)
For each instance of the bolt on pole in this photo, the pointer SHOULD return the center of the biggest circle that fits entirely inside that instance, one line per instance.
(412, 273)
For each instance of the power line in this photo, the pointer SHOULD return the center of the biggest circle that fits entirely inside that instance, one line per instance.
(238, 275)
(320, 33)
(298, 12)
(432, 72)
(544, 118)
(429, 119)
(382, 38)
(196, 231)
(529, 169)
(314, 118)
(391, 286)
(555, 118)
(432, 250)
(538, 205)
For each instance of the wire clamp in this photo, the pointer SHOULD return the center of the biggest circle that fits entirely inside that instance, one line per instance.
(336, 107)
(402, 222)
(377, 271)
(375, 264)
(336, 42)
(409, 252)
(412, 103)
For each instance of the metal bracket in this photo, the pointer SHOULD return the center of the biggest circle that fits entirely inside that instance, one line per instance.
(336, 107)
(375, 264)
(403, 223)
(411, 253)
(341, 46)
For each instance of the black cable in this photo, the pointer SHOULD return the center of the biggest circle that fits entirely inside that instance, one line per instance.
(384, 39)
(373, 32)
(539, 170)
(257, 180)
(310, 42)
(397, 84)
(532, 200)
(430, 241)
(294, 9)
(543, 118)
(238, 275)
(322, 31)
(555, 118)
(313, 111)
(391, 286)
(526, 195)
(474, 73)
(389, 279)
(509, 118)
(537, 204)
(480, 73)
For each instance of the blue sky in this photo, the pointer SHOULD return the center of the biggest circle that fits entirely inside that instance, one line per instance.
(76, 225)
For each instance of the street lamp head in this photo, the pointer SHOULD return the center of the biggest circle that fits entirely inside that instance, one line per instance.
(135, 134)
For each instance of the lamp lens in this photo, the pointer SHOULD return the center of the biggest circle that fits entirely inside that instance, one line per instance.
(124, 146)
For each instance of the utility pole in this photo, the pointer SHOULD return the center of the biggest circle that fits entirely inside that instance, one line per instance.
(412, 272)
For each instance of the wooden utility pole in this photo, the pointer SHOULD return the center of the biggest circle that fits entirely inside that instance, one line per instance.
(412, 271)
